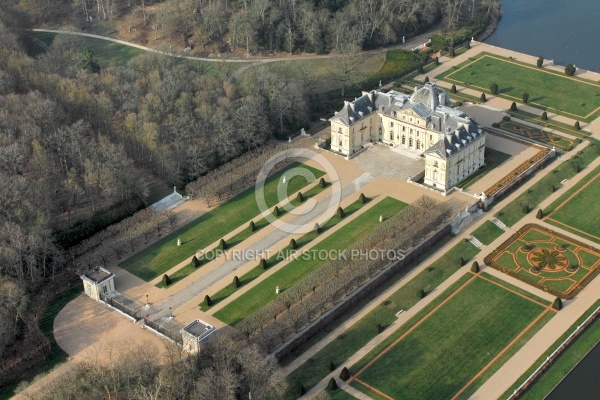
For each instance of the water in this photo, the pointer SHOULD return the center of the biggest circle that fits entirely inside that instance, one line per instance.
(560, 30)
(582, 383)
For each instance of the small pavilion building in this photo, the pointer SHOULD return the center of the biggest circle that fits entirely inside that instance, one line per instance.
(98, 282)
(194, 333)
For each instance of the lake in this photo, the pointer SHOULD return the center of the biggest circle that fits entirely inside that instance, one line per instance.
(564, 31)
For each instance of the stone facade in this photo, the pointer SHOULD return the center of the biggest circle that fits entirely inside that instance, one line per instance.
(194, 333)
(98, 282)
(451, 142)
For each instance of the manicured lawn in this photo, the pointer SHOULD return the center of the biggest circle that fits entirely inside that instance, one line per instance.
(487, 232)
(514, 211)
(439, 357)
(542, 261)
(563, 364)
(493, 159)
(277, 258)
(208, 228)
(264, 292)
(538, 135)
(550, 123)
(547, 89)
(359, 334)
(578, 210)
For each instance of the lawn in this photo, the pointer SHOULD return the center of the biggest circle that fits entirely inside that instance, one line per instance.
(493, 159)
(445, 350)
(578, 210)
(550, 123)
(572, 96)
(546, 259)
(264, 292)
(515, 210)
(487, 232)
(359, 334)
(538, 135)
(209, 228)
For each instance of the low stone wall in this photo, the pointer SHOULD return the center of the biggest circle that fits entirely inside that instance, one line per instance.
(362, 292)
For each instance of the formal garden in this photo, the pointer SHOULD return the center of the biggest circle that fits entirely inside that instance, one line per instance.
(577, 210)
(211, 227)
(547, 89)
(444, 350)
(539, 135)
(548, 260)
(487, 232)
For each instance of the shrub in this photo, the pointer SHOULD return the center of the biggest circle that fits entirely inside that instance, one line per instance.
(340, 212)
(553, 188)
(577, 126)
(557, 305)
(453, 89)
(544, 116)
(207, 301)
(362, 199)
(276, 211)
(452, 53)
(525, 97)
(300, 197)
(475, 267)
(332, 385)
(526, 209)
(251, 226)
(345, 374)
(495, 125)
(506, 118)
(195, 262)
(570, 70)
(494, 88)
(236, 282)
(421, 293)
(513, 106)
(293, 244)
(540, 61)
(379, 328)
(436, 61)
(317, 227)
(322, 182)
(223, 244)
(539, 214)
(462, 261)
(468, 45)
(426, 79)
(263, 263)
(301, 390)
(482, 98)
(166, 280)
(331, 366)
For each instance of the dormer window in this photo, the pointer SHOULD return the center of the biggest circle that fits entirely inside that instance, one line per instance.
(395, 114)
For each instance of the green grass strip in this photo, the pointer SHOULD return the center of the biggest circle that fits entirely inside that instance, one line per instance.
(359, 334)
(209, 227)
(264, 292)
(517, 289)
(514, 211)
(487, 232)
(277, 258)
(185, 271)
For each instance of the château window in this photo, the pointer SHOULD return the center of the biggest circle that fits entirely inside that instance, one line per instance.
(340, 129)
(340, 141)
(394, 114)
(418, 144)
(404, 139)
(430, 137)
(391, 135)
(435, 175)
(403, 129)
(392, 124)
(410, 144)
(417, 133)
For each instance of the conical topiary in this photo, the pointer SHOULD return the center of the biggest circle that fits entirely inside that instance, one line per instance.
(301, 390)
(345, 374)
(222, 244)
(340, 212)
(544, 116)
(332, 385)
(557, 305)
(300, 197)
(426, 79)
(263, 263)
(166, 280)
(513, 106)
(362, 199)
(331, 366)
(207, 301)
(293, 244)
(252, 227)
(236, 282)
(453, 89)
(422, 293)
(475, 267)
(276, 211)
(482, 98)
(317, 227)
(195, 262)
(540, 214)
(322, 182)
(577, 125)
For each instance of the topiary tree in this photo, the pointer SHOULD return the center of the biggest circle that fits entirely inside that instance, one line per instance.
(513, 106)
(166, 280)
(345, 374)
(426, 79)
(453, 89)
(526, 209)
(293, 244)
(301, 390)
(195, 262)
(222, 244)
(332, 385)
(379, 328)
(577, 126)
(525, 97)
(362, 199)
(263, 263)
(452, 53)
(482, 98)
(300, 197)
(207, 301)
(557, 305)
(494, 88)
(468, 44)
(331, 366)
(421, 293)
(544, 116)
(252, 227)
(475, 267)
(322, 182)
(570, 70)
(317, 227)
(540, 61)
(462, 261)
(276, 211)
(340, 212)
(236, 282)
(436, 61)
(539, 214)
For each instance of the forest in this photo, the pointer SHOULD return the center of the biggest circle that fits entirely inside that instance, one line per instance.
(82, 144)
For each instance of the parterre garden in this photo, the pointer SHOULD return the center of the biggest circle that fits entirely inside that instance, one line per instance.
(546, 259)
(538, 135)
(442, 351)
(574, 97)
